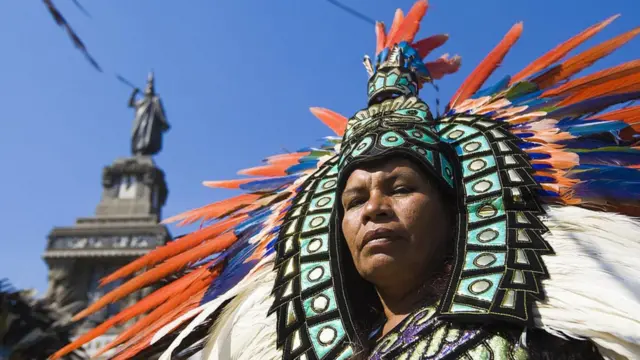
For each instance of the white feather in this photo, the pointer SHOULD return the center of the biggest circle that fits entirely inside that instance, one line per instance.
(243, 331)
(593, 291)
(208, 309)
(172, 325)
(594, 286)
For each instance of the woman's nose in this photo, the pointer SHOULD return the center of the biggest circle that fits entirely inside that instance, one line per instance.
(377, 208)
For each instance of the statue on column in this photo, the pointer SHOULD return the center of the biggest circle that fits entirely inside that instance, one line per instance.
(150, 121)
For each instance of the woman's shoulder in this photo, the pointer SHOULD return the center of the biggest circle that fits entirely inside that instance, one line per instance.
(448, 340)
(529, 344)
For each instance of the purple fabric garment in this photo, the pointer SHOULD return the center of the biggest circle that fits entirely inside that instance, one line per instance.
(415, 328)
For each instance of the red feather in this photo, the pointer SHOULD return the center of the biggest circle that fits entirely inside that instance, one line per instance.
(561, 50)
(150, 301)
(630, 83)
(395, 25)
(425, 46)
(333, 120)
(630, 115)
(381, 37)
(196, 288)
(168, 267)
(277, 166)
(603, 76)
(478, 76)
(583, 60)
(410, 25)
(173, 248)
(214, 210)
(230, 184)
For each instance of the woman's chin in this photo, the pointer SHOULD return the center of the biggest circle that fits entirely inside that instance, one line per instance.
(380, 264)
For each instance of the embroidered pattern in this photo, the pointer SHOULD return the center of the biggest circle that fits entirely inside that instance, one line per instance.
(309, 324)
(421, 336)
(499, 242)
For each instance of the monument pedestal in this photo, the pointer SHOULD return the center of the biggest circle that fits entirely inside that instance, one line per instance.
(124, 227)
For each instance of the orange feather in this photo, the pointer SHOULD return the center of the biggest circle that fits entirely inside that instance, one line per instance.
(478, 76)
(443, 66)
(583, 60)
(229, 184)
(277, 165)
(561, 50)
(559, 159)
(259, 252)
(150, 301)
(173, 248)
(168, 267)
(83, 339)
(410, 25)
(425, 46)
(332, 119)
(267, 170)
(193, 290)
(276, 159)
(143, 339)
(395, 25)
(618, 86)
(381, 37)
(630, 115)
(603, 76)
(213, 210)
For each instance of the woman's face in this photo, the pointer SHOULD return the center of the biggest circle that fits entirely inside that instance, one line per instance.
(395, 222)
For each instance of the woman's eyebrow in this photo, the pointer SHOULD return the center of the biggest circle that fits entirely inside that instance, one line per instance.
(352, 191)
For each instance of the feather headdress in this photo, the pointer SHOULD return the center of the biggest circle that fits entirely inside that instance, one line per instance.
(546, 135)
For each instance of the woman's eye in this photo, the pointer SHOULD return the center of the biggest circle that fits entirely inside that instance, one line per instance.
(402, 190)
(354, 202)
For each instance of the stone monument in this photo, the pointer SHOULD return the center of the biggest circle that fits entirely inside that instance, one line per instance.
(126, 223)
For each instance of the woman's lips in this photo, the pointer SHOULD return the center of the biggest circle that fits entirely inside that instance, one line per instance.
(380, 236)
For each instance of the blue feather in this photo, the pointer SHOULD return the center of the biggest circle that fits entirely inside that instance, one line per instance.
(271, 245)
(311, 158)
(416, 59)
(525, 135)
(624, 191)
(235, 269)
(493, 89)
(618, 157)
(538, 156)
(268, 185)
(276, 229)
(307, 165)
(593, 105)
(382, 56)
(586, 143)
(541, 166)
(537, 104)
(583, 127)
(543, 192)
(523, 99)
(255, 218)
(546, 70)
(604, 172)
(544, 179)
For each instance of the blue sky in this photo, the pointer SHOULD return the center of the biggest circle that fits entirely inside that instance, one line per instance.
(236, 77)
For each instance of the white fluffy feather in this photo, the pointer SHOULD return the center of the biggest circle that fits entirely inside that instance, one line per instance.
(594, 285)
(593, 291)
(244, 286)
(243, 331)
